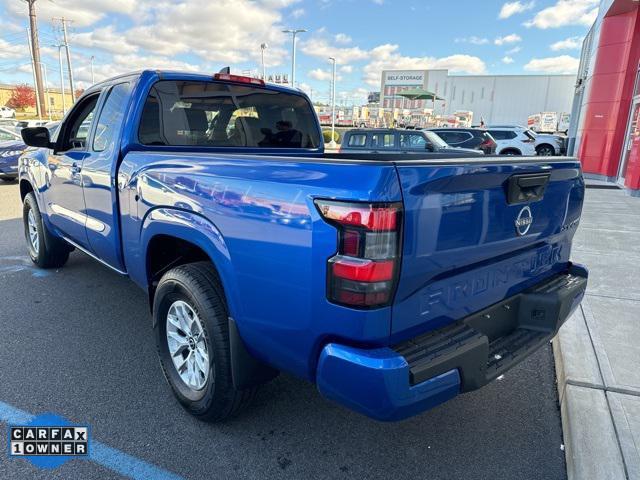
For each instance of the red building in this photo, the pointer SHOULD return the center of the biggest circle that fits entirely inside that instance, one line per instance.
(605, 133)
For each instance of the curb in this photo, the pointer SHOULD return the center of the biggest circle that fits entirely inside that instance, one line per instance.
(592, 444)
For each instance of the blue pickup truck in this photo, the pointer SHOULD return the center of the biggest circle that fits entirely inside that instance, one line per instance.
(394, 283)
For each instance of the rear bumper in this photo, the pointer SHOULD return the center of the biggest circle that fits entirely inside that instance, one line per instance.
(393, 383)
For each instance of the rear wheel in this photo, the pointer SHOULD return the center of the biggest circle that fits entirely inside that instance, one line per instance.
(45, 250)
(8, 179)
(545, 151)
(192, 337)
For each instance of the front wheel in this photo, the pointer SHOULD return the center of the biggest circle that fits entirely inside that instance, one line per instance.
(192, 337)
(45, 250)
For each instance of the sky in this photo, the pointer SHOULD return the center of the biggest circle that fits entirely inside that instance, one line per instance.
(365, 36)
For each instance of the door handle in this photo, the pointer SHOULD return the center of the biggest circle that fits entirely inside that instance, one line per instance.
(75, 169)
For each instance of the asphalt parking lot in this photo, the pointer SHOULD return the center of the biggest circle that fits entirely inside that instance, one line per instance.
(78, 343)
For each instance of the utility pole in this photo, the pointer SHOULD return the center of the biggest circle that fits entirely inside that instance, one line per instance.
(36, 74)
(333, 103)
(64, 100)
(93, 81)
(64, 22)
(35, 56)
(293, 33)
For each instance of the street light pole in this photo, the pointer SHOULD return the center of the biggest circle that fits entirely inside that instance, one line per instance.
(333, 102)
(46, 89)
(263, 47)
(293, 33)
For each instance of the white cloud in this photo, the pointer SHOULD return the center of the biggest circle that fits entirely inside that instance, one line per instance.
(240, 27)
(83, 13)
(512, 8)
(566, 12)
(342, 38)
(387, 57)
(560, 64)
(507, 39)
(378, 2)
(319, 47)
(104, 38)
(513, 50)
(277, 4)
(571, 43)
(473, 40)
(13, 51)
(298, 12)
(507, 60)
(319, 74)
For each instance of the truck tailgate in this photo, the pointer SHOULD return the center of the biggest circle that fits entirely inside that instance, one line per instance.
(479, 231)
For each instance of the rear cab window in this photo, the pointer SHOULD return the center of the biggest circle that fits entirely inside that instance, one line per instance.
(383, 140)
(211, 114)
(357, 140)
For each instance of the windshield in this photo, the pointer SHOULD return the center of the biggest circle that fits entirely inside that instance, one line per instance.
(435, 139)
(221, 115)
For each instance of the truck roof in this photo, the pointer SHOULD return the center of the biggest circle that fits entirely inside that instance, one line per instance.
(192, 76)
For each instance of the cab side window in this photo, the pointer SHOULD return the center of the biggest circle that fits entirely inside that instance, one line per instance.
(74, 132)
(413, 141)
(111, 115)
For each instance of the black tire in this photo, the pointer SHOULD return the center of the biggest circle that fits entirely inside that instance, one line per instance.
(9, 179)
(199, 286)
(545, 151)
(51, 251)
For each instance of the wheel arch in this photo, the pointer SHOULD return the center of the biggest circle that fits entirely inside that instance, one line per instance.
(183, 237)
(507, 150)
(25, 188)
(196, 239)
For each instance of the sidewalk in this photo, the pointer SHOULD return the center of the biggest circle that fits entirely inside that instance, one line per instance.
(597, 351)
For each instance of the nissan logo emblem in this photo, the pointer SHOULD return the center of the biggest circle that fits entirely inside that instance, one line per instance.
(524, 221)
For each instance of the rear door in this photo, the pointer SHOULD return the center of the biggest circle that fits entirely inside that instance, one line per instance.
(468, 244)
(98, 172)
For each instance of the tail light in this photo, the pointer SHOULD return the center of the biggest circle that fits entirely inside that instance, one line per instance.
(488, 143)
(364, 271)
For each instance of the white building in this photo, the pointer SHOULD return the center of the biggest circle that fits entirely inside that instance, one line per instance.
(495, 98)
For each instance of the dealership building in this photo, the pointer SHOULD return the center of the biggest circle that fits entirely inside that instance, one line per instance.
(605, 130)
(493, 98)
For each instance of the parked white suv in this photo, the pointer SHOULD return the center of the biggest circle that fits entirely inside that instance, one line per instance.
(546, 144)
(6, 112)
(513, 140)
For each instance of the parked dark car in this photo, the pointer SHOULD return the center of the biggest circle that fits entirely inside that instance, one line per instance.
(473, 138)
(397, 140)
(11, 147)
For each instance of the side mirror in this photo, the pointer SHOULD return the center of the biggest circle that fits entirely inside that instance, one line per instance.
(430, 147)
(36, 137)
